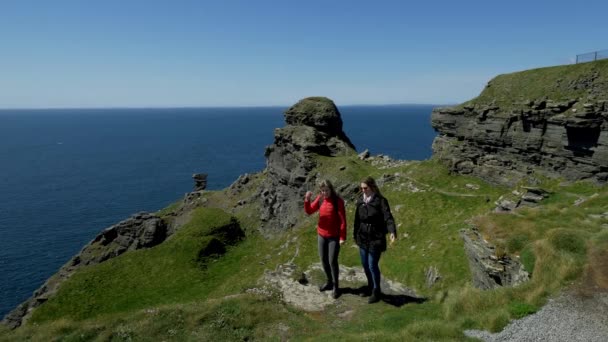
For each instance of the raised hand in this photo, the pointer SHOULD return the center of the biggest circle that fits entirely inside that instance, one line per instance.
(307, 196)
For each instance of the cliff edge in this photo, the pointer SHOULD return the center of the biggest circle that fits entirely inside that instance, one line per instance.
(552, 120)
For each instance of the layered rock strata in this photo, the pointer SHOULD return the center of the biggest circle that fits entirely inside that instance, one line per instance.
(502, 144)
(488, 270)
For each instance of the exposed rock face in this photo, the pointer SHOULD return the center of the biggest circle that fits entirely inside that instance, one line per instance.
(531, 197)
(200, 181)
(302, 290)
(314, 127)
(141, 230)
(504, 144)
(488, 270)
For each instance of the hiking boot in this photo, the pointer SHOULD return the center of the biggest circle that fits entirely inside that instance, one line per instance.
(375, 297)
(335, 293)
(326, 287)
(365, 291)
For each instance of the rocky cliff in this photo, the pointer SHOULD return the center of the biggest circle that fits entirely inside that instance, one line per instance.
(313, 128)
(141, 230)
(552, 120)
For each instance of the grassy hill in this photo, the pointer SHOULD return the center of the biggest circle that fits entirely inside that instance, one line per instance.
(175, 292)
(562, 83)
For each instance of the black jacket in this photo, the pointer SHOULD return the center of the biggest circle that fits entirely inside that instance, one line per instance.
(372, 222)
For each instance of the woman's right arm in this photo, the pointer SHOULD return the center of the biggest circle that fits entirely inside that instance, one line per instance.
(309, 207)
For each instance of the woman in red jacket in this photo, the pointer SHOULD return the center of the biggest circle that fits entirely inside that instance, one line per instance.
(331, 231)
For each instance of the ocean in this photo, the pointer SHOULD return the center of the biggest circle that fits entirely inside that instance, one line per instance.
(66, 174)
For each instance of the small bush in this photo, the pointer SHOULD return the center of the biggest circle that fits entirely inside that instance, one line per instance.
(468, 323)
(517, 242)
(568, 241)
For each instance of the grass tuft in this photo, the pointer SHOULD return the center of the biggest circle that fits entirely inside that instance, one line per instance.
(521, 309)
(570, 241)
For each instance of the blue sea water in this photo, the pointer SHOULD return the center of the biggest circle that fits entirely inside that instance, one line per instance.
(67, 174)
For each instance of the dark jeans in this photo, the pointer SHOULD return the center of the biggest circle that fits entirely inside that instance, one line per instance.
(370, 260)
(329, 249)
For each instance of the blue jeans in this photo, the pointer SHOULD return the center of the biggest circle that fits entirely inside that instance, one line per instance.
(370, 260)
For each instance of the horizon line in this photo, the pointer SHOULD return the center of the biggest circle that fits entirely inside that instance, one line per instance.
(218, 107)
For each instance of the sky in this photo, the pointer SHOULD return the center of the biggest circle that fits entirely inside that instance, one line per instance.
(179, 53)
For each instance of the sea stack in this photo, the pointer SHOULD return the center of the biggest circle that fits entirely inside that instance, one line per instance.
(314, 128)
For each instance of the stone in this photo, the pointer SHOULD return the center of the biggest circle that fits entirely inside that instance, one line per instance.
(302, 291)
(200, 181)
(488, 270)
(505, 205)
(432, 276)
(472, 186)
(364, 155)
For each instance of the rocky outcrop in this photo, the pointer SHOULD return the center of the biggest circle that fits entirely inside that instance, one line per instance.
(200, 181)
(314, 128)
(504, 144)
(301, 290)
(141, 230)
(488, 270)
(528, 197)
(553, 120)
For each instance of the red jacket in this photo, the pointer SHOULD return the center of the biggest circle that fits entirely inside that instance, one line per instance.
(330, 225)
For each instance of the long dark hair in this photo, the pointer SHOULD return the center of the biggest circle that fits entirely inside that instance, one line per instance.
(333, 196)
(369, 181)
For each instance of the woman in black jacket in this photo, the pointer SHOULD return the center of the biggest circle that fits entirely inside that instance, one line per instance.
(373, 220)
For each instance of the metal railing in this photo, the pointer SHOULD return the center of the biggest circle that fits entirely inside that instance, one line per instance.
(591, 56)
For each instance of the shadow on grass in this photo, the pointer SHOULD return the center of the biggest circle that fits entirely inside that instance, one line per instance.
(397, 300)
(401, 299)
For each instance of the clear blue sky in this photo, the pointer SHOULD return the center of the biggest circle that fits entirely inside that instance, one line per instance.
(129, 53)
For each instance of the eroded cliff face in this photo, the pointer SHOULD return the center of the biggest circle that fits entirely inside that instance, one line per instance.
(141, 230)
(502, 140)
(313, 128)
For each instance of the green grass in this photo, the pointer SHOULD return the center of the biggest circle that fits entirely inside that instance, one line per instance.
(195, 285)
(167, 293)
(169, 273)
(556, 83)
(521, 309)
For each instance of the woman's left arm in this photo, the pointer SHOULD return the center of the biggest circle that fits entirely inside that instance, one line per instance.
(389, 221)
